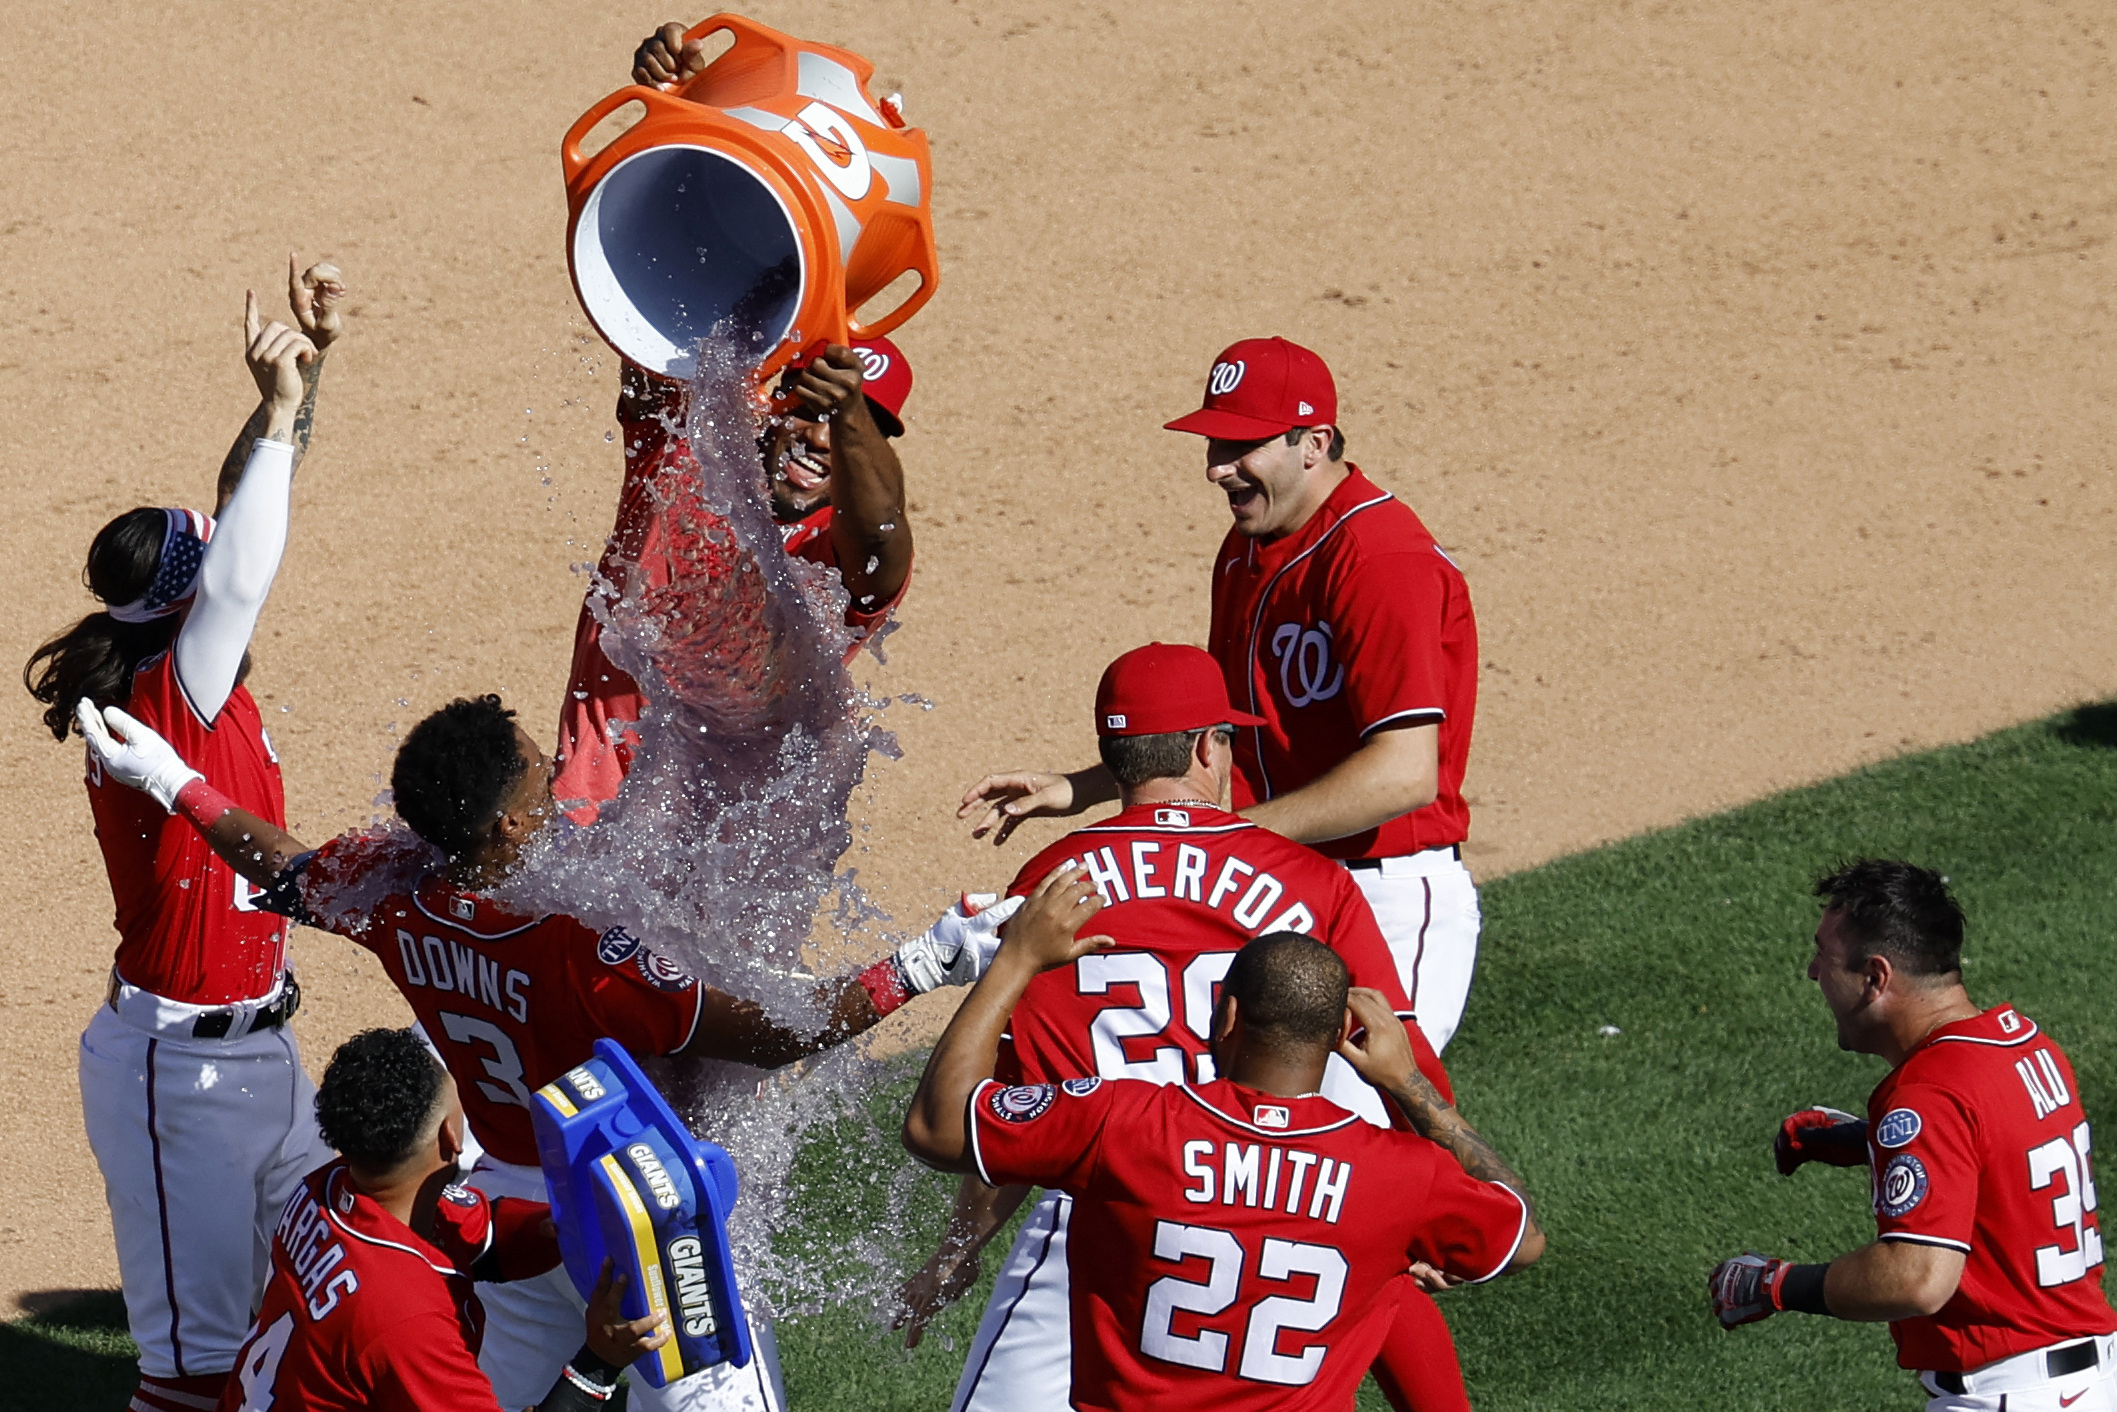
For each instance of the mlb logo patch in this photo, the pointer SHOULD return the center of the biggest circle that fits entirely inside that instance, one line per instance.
(463, 909)
(2009, 1022)
(1173, 818)
(1271, 1116)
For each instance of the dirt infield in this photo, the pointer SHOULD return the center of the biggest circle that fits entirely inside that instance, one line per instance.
(1755, 362)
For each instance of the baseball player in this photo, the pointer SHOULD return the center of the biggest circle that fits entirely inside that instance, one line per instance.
(193, 1095)
(1237, 1243)
(837, 492)
(1339, 621)
(371, 1303)
(513, 1001)
(1185, 885)
(1988, 1259)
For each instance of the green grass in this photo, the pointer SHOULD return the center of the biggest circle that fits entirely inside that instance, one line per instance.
(1648, 1151)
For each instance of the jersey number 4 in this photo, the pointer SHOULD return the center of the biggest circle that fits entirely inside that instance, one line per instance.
(260, 1364)
(2067, 1157)
(1208, 1348)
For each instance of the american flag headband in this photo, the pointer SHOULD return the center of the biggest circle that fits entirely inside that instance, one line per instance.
(176, 575)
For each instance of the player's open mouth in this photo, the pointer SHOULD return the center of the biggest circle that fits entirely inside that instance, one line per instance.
(800, 469)
(1244, 497)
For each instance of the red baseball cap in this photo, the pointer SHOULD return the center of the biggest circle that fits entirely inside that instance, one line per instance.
(1163, 688)
(1262, 387)
(886, 379)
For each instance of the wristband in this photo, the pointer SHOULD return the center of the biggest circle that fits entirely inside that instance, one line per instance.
(201, 803)
(583, 1384)
(885, 985)
(1802, 1290)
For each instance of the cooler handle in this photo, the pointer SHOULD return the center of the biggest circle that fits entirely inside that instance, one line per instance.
(570, 157)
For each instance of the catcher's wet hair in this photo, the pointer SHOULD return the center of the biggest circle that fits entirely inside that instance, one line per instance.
(1132, 760)
(1899, 910)
(1291, 990)
(97, 656)
(453, 771)
(376, 1103)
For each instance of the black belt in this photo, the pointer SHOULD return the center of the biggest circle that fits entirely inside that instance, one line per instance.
(2074, 1358)
(215, 1024)
(1453, 850)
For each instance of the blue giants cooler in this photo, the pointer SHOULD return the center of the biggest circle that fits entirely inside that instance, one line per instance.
(628, 1181)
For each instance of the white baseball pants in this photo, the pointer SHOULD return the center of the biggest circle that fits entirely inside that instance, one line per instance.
(533, 1326)
(2021, 1384)
(200, 1141)
(1022, 1358)
(1426, 905)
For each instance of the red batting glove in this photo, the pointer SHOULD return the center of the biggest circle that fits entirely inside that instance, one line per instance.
(1820, 1135)
(1747, 1288)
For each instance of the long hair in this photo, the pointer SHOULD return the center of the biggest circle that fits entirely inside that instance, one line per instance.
(97, 656)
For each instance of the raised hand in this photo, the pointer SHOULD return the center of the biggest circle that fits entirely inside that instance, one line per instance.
(1007, 800)
(611, 1336)
(1820, 1134)
(133, 754)
(315, 295)
(275, 354)
(665, 60)
(940, 1282)
(1045, 933)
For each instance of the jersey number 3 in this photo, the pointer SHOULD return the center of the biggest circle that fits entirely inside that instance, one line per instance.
(2067, 1158)
(1208, 1349)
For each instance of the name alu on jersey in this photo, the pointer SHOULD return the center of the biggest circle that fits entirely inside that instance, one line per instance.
(458, 969)
(2046, 1084)
(314, 1254)
(694, 1292)
(1245, 894)
(1268, 1179)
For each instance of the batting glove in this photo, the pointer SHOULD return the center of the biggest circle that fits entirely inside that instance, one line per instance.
(1747, 1288)
(134, 755)
(1820, 1135)
(956, 949)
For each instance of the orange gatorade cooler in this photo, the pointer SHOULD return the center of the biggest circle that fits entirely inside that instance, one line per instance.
(772, 191)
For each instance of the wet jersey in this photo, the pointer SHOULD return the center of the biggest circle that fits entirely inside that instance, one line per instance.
(1979, 1144)
(693, 575)
(511, 1002)
(362, 1312)
(1184, 888)
(1355, 622)
(188, 926)
(1231, 1249)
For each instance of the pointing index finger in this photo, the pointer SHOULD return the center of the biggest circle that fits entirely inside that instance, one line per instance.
(252, 324)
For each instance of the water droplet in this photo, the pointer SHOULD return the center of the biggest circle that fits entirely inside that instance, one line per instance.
(610, 436)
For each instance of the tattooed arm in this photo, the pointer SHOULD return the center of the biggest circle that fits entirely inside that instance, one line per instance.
(1383, 1057)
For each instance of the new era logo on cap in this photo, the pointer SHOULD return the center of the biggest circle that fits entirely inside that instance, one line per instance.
(1115, 723)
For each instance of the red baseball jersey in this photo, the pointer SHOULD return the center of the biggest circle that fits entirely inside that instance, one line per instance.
(1184, 888)
(1229, 1248)
(693, 576)
(511, 1002)
(1355, 622)
(362, 1312)
(1979, 1144)
(189, 927)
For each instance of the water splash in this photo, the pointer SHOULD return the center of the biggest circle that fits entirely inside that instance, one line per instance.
(722, 849)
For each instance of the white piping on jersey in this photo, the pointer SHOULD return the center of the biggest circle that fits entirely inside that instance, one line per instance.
(1434, 711)
(697, 1013)
(1257, 621)
(970, 1125)
(330, 1211)
(1276, 1134)
(1909, 1239)
(1996, 1043)
(1168, 828)
(1521, 1233)
(458, 925)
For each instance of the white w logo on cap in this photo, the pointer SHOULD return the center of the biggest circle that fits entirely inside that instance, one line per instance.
(1226, 377)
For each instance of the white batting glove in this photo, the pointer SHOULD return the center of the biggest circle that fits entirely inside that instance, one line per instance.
(956, 949)
(134, 755)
